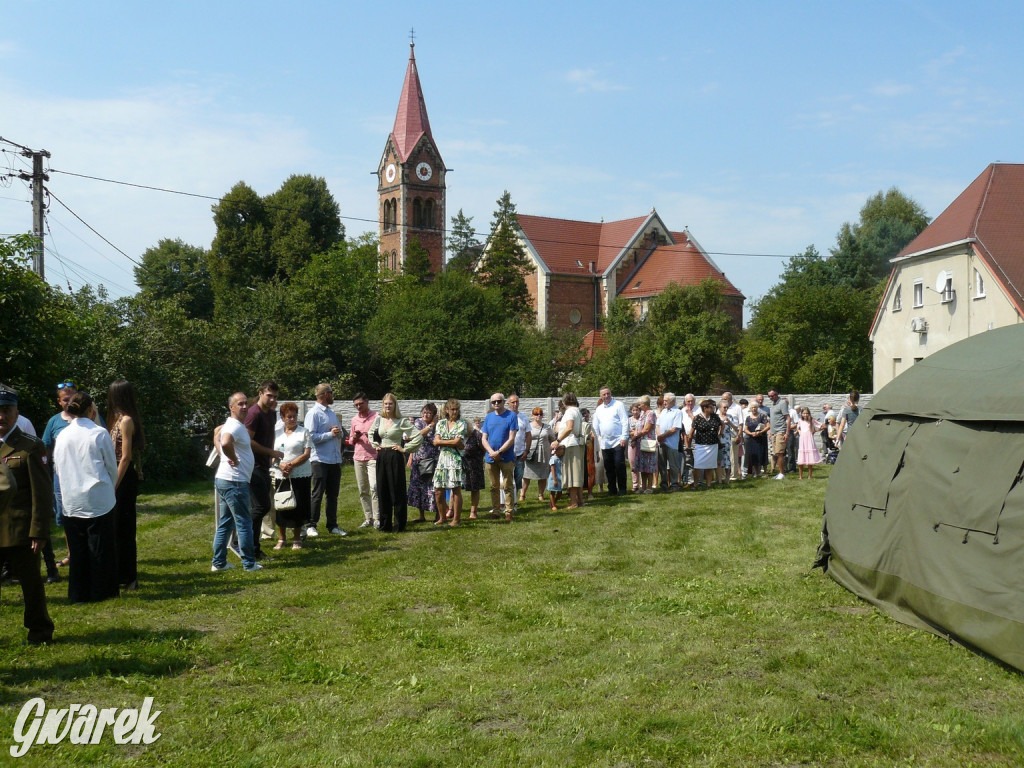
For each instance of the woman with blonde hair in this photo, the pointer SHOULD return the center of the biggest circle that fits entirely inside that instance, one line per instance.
(393, 436)
(450, 438)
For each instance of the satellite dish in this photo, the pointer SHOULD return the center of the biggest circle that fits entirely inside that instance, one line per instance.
(940, 281)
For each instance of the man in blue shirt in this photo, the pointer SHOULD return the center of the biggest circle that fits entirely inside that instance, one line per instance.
(499, 432)
(325, 435)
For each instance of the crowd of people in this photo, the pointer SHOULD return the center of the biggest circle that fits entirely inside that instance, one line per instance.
(275, 476)
(85, 477)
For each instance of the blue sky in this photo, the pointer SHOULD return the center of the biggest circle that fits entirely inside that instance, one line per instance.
(760, 126)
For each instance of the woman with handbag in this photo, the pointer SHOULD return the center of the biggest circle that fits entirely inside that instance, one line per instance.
(293, 477)
(646, 456)
(393, 436)
(423, 464)
(537, 457)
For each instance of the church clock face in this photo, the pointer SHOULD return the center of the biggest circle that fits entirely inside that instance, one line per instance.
(390, 173)
(424, 171)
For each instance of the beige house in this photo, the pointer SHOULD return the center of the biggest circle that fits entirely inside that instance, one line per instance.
(963, 275)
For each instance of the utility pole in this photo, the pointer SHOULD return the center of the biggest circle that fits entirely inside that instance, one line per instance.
(38, 225)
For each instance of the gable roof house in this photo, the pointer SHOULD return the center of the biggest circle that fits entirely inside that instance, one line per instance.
(963, 275)
(582, 266)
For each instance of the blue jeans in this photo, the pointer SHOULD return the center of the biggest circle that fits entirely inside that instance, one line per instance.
(517, 475)
(234, 515)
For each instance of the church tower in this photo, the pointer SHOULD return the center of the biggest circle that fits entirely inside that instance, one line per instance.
(410, 181)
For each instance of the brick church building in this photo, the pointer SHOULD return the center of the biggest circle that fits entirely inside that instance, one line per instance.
(580, 266)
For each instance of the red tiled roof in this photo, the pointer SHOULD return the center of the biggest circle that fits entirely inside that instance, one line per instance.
(683, 264)
(411, 122)
(562, 242)
(991, 212)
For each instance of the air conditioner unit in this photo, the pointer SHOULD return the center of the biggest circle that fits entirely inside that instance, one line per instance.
(919, 325)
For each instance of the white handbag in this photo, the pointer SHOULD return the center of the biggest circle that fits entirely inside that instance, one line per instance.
(284, 497)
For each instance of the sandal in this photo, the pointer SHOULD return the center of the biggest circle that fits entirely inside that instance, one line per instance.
(296, 545)
(280, 544)
(64, 563)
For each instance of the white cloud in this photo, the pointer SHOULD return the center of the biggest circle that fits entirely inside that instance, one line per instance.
(588, 80)
(890, 89)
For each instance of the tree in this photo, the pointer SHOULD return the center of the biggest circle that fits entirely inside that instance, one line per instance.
(504, 265)
(304, 220)
(417, 261)
(888, 222)
(463, 245)
(175, 270)
(39, 324)
(449, 337)
(240, 255)
(808, 333)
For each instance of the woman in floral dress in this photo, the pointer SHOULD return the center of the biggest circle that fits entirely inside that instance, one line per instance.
(646, 462)
(450, 438)
(421, 486)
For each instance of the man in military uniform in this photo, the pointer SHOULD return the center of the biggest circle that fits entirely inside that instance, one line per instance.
(26, 500)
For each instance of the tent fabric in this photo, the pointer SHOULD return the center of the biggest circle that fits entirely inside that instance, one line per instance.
(924, 512)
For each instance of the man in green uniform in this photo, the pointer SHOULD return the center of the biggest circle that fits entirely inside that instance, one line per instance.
(26, 499)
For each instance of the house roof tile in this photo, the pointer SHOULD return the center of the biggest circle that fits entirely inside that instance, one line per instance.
(682, 263)
(990, 212)
(561, 243)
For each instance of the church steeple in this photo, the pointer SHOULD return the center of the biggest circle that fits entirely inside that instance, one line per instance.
(411, 185)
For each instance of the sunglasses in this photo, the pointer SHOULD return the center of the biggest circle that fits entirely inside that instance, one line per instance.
(65, 385)
(495, 402)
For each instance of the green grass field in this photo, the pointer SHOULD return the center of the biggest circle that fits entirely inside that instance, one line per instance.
(666, 630)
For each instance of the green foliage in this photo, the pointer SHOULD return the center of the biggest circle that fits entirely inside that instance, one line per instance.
(888, 222)
(810, 334)
(505, 264)
(240, 254)
(463, 245)
(445, 338)
(417, 261)
(175, 270)
(687, 342)
(38, 323)
(304, 220)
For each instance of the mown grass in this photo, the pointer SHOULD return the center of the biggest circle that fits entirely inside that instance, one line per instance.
(659, 631)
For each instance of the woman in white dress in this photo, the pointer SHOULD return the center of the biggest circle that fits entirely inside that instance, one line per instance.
(294, 469)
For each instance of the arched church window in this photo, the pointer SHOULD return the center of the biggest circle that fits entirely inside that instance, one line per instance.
(428, 214)
(417, 212)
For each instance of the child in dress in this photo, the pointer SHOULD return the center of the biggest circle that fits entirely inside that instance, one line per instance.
(555, 475)
(808, 455)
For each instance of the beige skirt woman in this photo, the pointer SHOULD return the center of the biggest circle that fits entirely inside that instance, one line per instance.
(573, 466)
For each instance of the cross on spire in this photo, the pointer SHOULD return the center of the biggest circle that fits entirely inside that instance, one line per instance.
(412, 38)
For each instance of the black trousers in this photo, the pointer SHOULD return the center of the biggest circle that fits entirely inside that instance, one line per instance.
(326, 482)
(92, 575)
(125, 524)
(391, 490)
(23, 564)
(615, 468)
(259, 501)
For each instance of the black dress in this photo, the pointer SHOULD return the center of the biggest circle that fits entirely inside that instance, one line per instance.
(473, 462)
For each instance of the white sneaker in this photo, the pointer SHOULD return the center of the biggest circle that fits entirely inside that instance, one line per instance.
(219, 568)
(311, 532)
(365, 524)
(255, 567)
(337, 531)
(780, 476)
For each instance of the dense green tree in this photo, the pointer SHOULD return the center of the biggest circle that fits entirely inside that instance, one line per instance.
(417, 261)
(240, 254)
(175, 270)
(447, 338)
(304, 220)
(888, 222)
(504, 265)
(38, 324)
(463, 245)
(541, 362)
(808, 333)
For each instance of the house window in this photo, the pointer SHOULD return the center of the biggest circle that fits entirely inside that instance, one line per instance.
(948, 294)
(918, 293)
(897, 299)
(979, 285)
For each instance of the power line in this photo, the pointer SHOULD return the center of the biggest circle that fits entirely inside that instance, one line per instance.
(92, 229)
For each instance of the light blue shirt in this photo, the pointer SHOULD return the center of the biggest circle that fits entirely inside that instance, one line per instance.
(325, 447)
(611, 424)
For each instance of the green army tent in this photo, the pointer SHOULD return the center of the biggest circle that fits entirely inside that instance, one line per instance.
(924, 512)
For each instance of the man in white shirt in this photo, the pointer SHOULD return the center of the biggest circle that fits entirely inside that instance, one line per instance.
(325, 435)
(734, 412)
(232, 483)
(686, 413)
(611, 428)
(669, 423)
